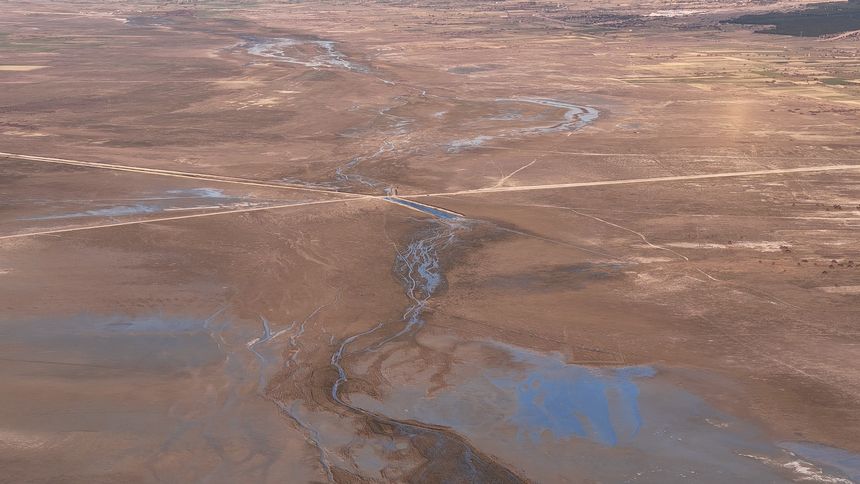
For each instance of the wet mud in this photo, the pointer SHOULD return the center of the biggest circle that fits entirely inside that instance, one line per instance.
(355, 443)
(148, 343)
(551, 420)
(437, 407)
(534, 414)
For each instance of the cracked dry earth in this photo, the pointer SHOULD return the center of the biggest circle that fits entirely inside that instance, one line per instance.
(408, 242)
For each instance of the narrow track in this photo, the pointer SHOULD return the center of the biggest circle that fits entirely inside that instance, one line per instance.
(630, 181)
(347, 196)
(178, 217)
(172, 173)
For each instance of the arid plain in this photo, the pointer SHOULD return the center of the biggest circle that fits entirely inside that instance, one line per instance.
(484, 241)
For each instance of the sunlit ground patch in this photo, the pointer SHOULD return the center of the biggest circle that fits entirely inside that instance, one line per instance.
(14, 68)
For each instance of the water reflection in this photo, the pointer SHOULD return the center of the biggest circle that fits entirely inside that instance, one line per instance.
(552, 419)
(170, 200)
(575, 401)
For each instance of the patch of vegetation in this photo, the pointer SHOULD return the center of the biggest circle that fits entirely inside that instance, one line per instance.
(8, 43)
(822, 19)
(836, 81)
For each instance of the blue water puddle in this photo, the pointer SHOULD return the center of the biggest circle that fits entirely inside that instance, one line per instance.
(536, 398)
(423, 208)
(153, 205)
(575, 401)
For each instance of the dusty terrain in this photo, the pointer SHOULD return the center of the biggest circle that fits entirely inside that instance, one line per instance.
(427, 242)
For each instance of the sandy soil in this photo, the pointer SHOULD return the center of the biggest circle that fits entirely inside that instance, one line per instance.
(423, 242)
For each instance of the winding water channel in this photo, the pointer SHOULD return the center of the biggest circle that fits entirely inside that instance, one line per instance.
(305, 52)
(565, 417)
(419, 269)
